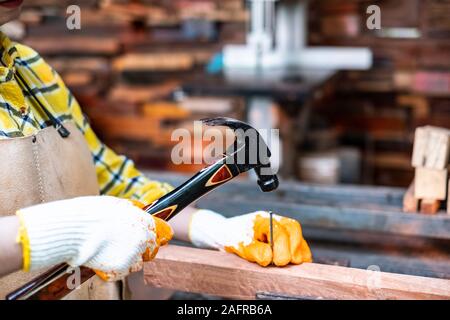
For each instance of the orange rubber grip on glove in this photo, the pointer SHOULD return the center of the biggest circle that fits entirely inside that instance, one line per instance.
(289, 246)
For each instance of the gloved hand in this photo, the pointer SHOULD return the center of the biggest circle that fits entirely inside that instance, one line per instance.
(107, 234)
(248, 236)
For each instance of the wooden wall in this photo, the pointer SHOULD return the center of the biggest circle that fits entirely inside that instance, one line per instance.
(408, 86)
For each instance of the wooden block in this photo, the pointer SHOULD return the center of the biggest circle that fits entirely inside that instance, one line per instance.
(82, 45)
(438, 148)
(420, 145)
(141, 94)
(410, 202)
(225, 275)
(431, 147)
(430, 183)
(164, 111)
(429, 206)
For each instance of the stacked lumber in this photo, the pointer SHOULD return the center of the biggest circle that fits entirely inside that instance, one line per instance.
(155, 121)
(408, 86)
(128, 59)
(346, 225)
(148, 130)
(222, 274)
(130, 53)
(165, 13)
(430, 159)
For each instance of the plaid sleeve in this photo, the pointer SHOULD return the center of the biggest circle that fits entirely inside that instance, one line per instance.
(116, 174)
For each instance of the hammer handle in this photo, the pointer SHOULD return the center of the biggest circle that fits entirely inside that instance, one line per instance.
(52, 285)
(193, 189)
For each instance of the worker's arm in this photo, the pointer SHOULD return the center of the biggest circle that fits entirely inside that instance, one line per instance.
(107, 234)
(10, 249)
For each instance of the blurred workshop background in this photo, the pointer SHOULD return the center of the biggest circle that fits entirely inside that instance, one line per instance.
(142, 68)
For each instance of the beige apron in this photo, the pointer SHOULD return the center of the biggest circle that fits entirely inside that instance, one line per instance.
(46, 167)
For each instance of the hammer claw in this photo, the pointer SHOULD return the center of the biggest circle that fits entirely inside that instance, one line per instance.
(249, 145)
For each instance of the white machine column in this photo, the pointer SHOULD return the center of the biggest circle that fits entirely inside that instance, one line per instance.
(292, 25)
(262, 24)
(261, 116)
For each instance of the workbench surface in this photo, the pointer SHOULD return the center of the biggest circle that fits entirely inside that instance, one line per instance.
(225, 275)
(353, 226)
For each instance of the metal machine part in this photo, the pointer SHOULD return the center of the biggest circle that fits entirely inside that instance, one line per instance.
(277, 38)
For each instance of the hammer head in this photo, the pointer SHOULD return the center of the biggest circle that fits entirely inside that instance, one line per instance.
(249, 151)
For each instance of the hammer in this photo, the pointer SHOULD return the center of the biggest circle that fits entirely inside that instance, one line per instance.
(248, 151)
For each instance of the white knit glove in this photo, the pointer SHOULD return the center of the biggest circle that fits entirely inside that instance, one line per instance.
(104, 233)
(248, 236)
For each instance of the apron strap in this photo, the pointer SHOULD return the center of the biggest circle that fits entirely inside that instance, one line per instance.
(63, 132)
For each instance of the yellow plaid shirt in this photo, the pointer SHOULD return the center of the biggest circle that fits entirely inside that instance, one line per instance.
(20, 116)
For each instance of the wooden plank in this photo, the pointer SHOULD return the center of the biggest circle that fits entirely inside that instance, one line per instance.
(133, 127)
(94, 65)
(154, 123)
(126, 126)
(430, 183)
(140, 62)
(164, 111)
(431, 148)
(74, 45)
(420, 145)
(222, 274)
(438, 148)
(135, 95)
